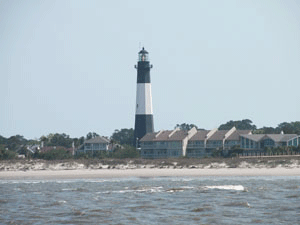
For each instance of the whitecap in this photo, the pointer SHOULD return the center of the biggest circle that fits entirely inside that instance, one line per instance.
(188, 187)
(150, 189)
(103, 192)
(68, 189)
(227, 187)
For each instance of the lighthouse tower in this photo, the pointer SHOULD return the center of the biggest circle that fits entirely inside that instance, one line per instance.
(144, 111)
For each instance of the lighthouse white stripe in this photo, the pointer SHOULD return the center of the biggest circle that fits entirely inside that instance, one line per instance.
(143, 99)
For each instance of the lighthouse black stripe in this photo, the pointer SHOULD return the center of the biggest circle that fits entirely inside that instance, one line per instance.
(143, 75)
(143, 125)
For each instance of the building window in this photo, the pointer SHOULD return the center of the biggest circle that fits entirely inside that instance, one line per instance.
(268, 143)
(295, 142)
(96, 146)
(161, 143)
(175, 153)
(87, 146)
(175, 144)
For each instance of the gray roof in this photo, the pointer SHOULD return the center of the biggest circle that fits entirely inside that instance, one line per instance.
(253, 137)
(219, 135)
(97, 140)
(148, 137)
(288, 137)
(281, 137)
(235, 136)
(178, 135)
(200, 135)
(274, 137)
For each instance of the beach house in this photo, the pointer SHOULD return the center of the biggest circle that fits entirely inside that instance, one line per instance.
(96, 144)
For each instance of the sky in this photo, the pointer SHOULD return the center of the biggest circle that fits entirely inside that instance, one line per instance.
(68, 66)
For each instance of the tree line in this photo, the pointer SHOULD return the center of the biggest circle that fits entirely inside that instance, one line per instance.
(61, 145)
(10, 147)
(247, 124)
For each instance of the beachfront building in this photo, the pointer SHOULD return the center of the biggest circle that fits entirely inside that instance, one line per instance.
(165, 144)
(192, 143)
(204, 142)
(96, 144)
(261, 141)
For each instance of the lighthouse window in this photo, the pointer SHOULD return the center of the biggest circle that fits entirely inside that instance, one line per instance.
(143, 57)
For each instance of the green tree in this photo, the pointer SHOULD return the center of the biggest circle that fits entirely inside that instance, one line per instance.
(123, 136)
(2, 140)
(127, 152)
(57, 139)
(54, 154)
(44, 139)
(290, 128)
(15, 142)
(267, 130)
(6, 154)
(245, 124)
(78, 141)
(91, 135)
(296, 126)
(185, 126)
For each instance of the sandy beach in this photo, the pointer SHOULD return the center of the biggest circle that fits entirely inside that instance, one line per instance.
(113, 173)
(36, 169)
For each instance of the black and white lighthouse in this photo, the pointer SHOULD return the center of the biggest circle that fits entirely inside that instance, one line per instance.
(144, 111)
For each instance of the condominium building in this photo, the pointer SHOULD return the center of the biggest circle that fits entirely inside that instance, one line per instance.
(164, 144)
(262, 141)
(202, 143)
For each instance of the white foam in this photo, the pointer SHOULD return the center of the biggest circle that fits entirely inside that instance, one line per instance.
(150, 189)
(188, 187)
(103, 192)
(69, 189)
(227, 187)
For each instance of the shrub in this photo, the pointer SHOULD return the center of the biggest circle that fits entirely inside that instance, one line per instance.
(55, 154)
(7, 154)
(127, 152)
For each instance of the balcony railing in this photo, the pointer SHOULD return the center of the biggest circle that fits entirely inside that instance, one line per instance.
(195, 146)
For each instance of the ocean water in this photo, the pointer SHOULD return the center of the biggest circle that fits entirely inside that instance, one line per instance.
(161, 200)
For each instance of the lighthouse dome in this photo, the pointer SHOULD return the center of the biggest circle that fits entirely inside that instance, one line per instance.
(143, 51)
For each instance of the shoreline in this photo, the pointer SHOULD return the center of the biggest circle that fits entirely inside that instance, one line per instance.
(124, 168)
(146, 173)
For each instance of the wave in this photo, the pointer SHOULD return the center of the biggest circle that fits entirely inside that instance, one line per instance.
(227, 187)
(59, 181)
(148, 190)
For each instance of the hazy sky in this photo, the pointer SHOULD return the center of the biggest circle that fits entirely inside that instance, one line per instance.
(68, 66)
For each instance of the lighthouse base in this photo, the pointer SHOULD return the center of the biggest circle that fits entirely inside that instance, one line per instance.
(143, 125)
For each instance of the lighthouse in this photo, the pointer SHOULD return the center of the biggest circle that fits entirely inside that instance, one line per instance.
(143, 108)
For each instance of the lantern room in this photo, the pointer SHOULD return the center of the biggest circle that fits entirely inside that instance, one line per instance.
(143, 55)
